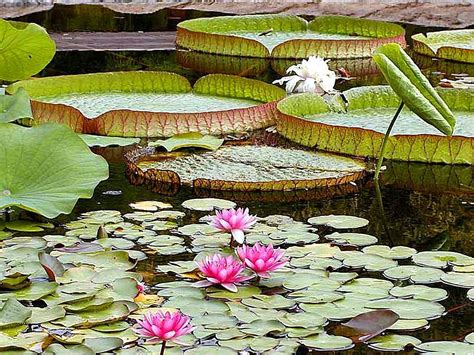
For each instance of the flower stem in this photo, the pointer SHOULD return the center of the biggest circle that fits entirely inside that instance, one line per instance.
(163, 346)
(258, 279)
(385, 140)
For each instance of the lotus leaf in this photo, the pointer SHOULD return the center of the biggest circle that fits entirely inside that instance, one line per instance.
(410, 309)
(152, 104)
(260, 168)
(393, 342)
(453, 45)
(287, 36)
(15, 107)
(309, 120)
(62, 171)
(26, 49)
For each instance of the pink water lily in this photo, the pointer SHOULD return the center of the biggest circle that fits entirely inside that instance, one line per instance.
(221, 270)
(140, 288)
(234, 221)
(262, 259)
(163, 327)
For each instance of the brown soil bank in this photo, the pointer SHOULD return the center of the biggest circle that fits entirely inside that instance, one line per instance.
(452, 14)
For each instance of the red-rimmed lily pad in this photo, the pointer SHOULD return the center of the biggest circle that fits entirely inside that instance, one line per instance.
(309, 120)
(152, 104)
(287, 36)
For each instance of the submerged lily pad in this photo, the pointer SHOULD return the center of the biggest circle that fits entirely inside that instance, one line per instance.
(153, 104)
(256, 168)
(309, 120)
(53, 169)
(453, 45)
(287, 36)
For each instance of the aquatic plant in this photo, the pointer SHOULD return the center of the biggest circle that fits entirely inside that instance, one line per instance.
(234, 221)
(415, 91)
(311, 75)
(221, 270)
(163, 327)
(262, 259)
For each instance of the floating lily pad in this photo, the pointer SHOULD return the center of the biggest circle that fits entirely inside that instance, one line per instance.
(453, 45)
(262, 327)
(208, 204)
(189, 140)
(470, 294)
(53, 169)
(441, 259)
(458, 279)
(393, 342)
(449, 347)
(398, 252)
(327, 342)
(417, 274)
(154, 104)
(258, 344)
(13, 313)
(27, 49)
(369, 262)
(150, 206)
(258, 168)
(409, 324)
(420, 292)
(287, 36)
(269, 302)
(358, 239)
(307, 119)
(339, 221)
(410, 309)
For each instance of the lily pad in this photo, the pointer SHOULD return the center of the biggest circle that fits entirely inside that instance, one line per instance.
(189, 140)
(53, 169)
(410, 309)
(441, 259)
(153, 104)
(327, 342)
(409, 324)
(150, 206)
(453, 45)
(339, 221)
(393, 342)
(27, 49)
(309, 120)
(287, 36)
(208, 204)
(397, 252)
(13, 313)
(358, 239)
(458, 279)
(417, 274)
(449, 347)
(420, 292)
(259, 168)
(262, 327)
(269, 302)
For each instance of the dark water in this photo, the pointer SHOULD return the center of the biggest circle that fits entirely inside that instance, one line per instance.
(428, 207)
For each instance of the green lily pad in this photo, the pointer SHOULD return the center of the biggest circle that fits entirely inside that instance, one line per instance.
(327, 342)
(449, 347)
(409, 324)
(210, 350)
(115, 312)
(262, 327)
(104, 141)
(62, 171)
(469, 338)
(358, 239)
(339, 221)
(150, 206)
(452, 45)
(369, 262)
(26, 226)
(392, 342)
(410, 309)
(241, 312)
(242, 292)
(470, 294)
(104, 259)
(420, 292)
(259, 344)
(398, 252)
(15, 107)
(13, 313)
(43, 315)
(34, 291)
(337, 311)
(302, 320)
(269, 302)
(417, 274)
(316, 280)
(441, 259)
(189, 140)
(458, 279)
(104, 344)
(58, 349)
(27, 49)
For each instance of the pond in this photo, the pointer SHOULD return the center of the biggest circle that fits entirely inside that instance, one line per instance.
(421, 206)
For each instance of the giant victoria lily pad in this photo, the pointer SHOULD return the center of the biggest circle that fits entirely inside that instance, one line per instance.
(249, 168)
(287, 36)
(309, 120)
(454, 45)
(46, 169)
(152, 104)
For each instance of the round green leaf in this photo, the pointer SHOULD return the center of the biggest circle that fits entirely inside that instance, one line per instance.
(358, 239)
(420, 292)
(339, 221)
(207, 204)
(392, 342)
(327, 342)
(410, 309)
(449, 347)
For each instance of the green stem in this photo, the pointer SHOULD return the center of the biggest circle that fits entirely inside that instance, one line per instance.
(378, 196)
(163, 346)
(385, 140)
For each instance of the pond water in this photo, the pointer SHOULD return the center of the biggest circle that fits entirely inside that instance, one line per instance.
(424, 207)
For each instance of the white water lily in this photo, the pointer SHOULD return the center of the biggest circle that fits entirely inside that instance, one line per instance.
(312, 75)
